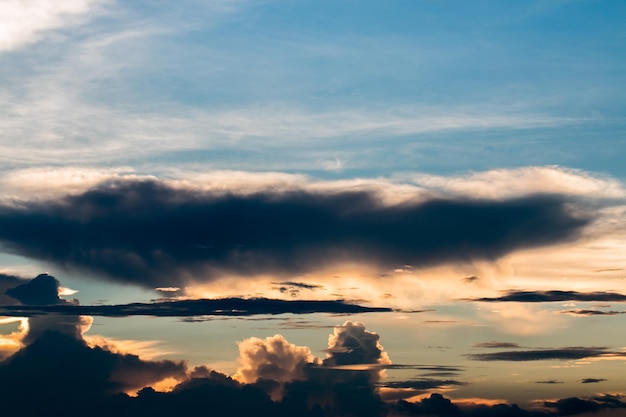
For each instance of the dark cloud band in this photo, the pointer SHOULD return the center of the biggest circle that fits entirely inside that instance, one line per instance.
(549, 296)
(566, 353)
(155, 235)
(235, 307)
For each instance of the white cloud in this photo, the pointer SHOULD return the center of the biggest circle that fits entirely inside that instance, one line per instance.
(25, 21)
(54, 123)
(507, 183)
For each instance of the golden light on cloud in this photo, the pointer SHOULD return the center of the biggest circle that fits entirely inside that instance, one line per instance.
(12, 342)
(144, 349)
(66, 291)
(521, 318)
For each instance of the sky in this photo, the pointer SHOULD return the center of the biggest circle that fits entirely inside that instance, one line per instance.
(313, 208)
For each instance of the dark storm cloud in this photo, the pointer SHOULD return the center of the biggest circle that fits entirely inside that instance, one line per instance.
(55, 363)
(566, 353)
(549, 381)
(574, 405)
(234, 307)
(496, 345)
(56, 366)
(152, 234)
(438, 405)
(41, 290)
(8, 282)
(549, 296)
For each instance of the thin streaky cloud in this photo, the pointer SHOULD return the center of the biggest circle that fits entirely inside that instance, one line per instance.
(588, 313)
(561, 354)
(26, 22)
(592, 380)
(496, 345)
(423, 383)
(553, 296)
(235, 307)
(89, 137)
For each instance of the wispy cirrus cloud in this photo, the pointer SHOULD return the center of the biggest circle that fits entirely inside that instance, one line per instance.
(41, 130)
(26, 22)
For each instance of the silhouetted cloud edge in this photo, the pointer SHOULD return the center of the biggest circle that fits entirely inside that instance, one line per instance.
(235, 307)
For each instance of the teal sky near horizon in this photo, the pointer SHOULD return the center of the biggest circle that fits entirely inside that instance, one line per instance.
(507, 118)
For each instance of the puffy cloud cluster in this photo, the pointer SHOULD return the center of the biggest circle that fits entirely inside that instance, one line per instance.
(344, 380)
(6, 283)
(352, 344)
(56, 369)
(273, 360)
(55, 362)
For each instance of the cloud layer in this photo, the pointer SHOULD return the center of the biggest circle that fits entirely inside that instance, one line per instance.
(153, 234)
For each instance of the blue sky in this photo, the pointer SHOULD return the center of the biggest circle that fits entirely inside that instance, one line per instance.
(368, 89)
(119, 116)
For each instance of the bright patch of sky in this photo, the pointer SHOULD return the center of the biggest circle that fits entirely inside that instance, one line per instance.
(331, 88)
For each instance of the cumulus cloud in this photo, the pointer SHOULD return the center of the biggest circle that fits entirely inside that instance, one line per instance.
(292, 373)
(56, 366)
(56, 363)
(41, 290)
(151, 233)
(273, 360)
(8, 282)
(352, 344)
